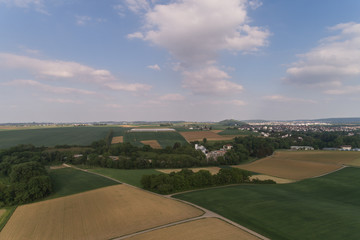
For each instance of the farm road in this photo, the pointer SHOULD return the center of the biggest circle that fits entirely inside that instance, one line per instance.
(207, 213)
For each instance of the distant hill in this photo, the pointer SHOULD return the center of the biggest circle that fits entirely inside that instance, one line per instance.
(339, 120)
(232, 122)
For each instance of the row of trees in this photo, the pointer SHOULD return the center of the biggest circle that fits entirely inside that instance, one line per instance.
(186, 179)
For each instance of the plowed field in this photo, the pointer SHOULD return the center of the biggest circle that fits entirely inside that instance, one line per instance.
(99, 214)
(209, 135)
(119, 139)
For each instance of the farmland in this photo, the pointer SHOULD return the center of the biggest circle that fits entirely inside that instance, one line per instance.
(200, 135)
(319, 208)
(119, 139)
(302, 164)
(56, 136)
(99, 214)
(67, 181)
(132, 177)
(165, 139)
(203, 229)
(152, 143)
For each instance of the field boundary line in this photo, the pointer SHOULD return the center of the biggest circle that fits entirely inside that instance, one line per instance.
(206, 213)
(342, 167)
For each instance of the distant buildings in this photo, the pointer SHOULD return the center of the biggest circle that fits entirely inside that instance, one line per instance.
(307, 148)
(214, 154)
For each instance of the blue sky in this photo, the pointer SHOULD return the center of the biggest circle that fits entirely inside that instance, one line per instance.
(192, 60)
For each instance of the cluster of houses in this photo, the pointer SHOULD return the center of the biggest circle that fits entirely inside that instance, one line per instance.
(214, 154)
(341, 148)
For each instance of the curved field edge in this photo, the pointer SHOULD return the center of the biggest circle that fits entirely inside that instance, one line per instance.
(322, 208)
(201, 229)
(104, 213)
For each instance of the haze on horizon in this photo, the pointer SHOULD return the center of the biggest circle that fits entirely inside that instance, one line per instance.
(192, 60)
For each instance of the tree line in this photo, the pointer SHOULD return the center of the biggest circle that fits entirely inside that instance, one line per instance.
(187, 179)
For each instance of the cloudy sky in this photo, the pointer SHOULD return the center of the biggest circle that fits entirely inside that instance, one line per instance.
(193, 60)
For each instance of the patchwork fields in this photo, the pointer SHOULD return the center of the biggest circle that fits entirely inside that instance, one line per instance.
(209, 135)
(321, 208)
(165, 139)
(212, 170)
(299, 165)
(99, 214)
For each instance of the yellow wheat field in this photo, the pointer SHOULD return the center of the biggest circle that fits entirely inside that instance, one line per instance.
(119, 139)
(152, 143)
(300, 165)
(203, 229)
(99, 214)
(212, 170)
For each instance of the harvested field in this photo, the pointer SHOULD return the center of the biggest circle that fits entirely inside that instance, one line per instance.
(119, 139)
(333, 157)
(276, 179)
(203, 229)
(216, 131)
(209, 135)
(99, 214)
(212, 170)
(152, 143)
(294, 165)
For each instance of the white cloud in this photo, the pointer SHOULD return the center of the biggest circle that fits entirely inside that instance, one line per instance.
(135, 35)
(61, 100)
(154, 67)
(132, 87)
(195, 31)
(254, 4)
(344, 90)
(55, 68)
(335, 60)
(172, 97)
(210, 80)
(82, 20)
(47, 88)
(38, 5)
(238, 102)
(280, 98)
(138, 6)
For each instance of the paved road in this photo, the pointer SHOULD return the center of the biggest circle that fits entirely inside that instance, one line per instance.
(207, 213)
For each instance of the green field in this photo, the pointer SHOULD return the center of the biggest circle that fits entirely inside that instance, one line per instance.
(131, 177)
(56, 136)
(67, 181)
(322, 208)
(164, 138)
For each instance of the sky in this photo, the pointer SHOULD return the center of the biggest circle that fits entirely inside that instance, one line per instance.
(185, 60)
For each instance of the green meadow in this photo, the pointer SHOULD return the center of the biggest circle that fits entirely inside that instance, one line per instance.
(322, 208)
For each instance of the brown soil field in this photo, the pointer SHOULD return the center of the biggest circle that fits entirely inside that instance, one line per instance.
(216, 131)
(128, 126)
(334, 157)
(203, 229)
(300, 165)
(104, 213)
(119, 139)
(152, 143)
(212, 170)
(209, 135)
(276, 179)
